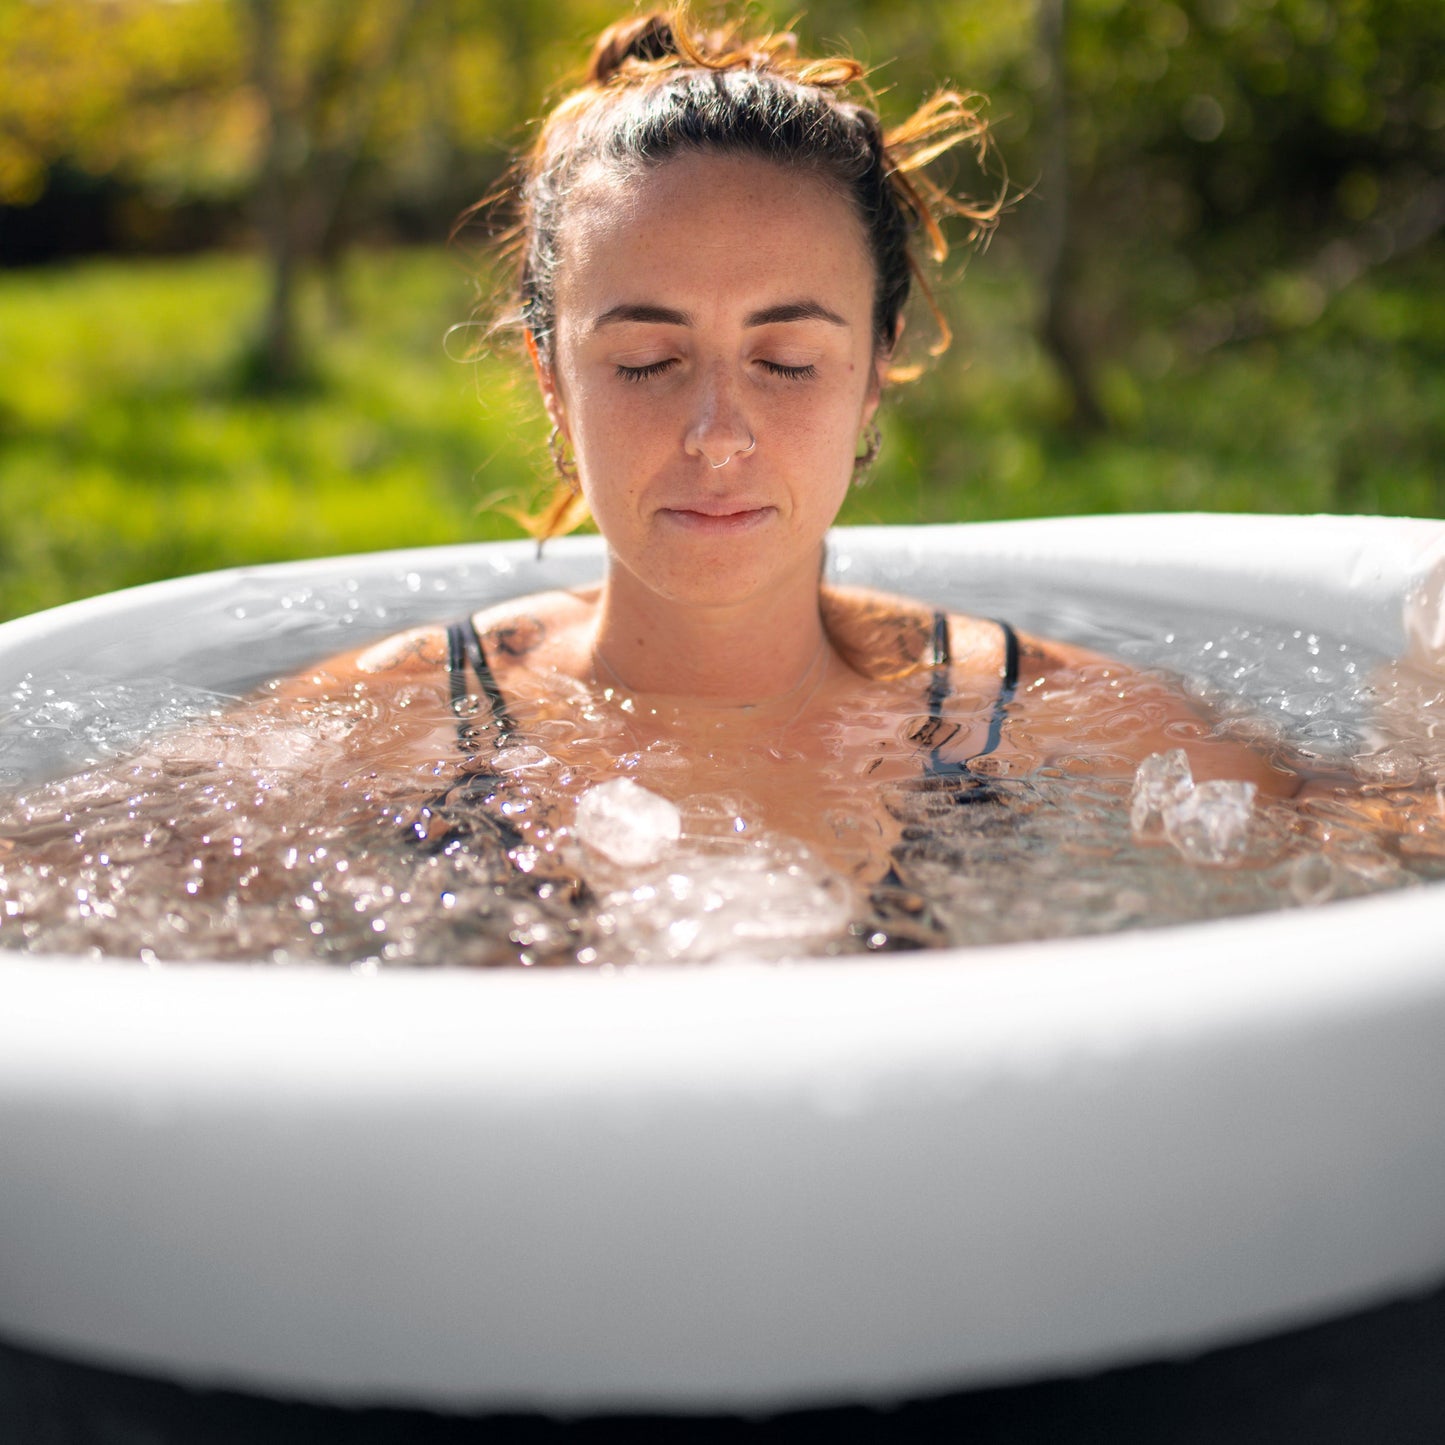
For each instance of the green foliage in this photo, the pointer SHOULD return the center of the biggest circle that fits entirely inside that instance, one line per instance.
(1346, 414)
(130, 451)
(1249, 104)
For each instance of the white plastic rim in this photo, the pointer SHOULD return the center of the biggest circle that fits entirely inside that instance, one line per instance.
(741, 1187)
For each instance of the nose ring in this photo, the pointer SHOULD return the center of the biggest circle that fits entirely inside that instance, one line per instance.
(751, 446)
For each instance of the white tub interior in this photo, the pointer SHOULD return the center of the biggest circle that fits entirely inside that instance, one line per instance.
(748, 1186)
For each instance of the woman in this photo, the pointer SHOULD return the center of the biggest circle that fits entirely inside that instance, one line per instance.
(714, 252)
(714, 249)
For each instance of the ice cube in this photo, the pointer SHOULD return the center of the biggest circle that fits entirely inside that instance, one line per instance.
(1161, 780)
(758, 901)
(1209, 824)
(625, 822)
(517, 758)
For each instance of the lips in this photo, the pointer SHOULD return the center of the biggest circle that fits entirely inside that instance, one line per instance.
(716, 517)
(717, 506)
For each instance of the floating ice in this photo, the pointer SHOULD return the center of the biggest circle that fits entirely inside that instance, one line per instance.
(758, 902)
(518, 759)
(1161, 780)
(624, 822)
(1210, 823)
(1207, 823)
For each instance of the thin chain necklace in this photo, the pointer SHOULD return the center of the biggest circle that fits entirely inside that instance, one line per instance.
(599, 657)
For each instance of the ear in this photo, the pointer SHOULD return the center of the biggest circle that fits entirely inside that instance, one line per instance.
(547, 384)
(882, 364)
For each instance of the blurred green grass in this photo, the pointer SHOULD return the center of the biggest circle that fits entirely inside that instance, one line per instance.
(130, 448)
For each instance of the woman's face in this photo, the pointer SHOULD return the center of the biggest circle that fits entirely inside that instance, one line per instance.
(700, 304)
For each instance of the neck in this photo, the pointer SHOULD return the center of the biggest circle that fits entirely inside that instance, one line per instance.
(735, 653)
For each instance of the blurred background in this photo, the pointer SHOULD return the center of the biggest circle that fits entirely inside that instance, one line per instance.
(225, 278)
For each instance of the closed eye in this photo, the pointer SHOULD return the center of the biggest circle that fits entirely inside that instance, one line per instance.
(642, 373)
(792, 373)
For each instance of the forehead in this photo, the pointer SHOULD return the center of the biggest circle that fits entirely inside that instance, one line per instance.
(709, 224)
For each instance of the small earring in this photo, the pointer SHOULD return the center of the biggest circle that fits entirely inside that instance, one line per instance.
(872, 445)
(566, 466)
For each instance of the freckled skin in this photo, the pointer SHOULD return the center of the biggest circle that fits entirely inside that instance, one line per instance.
(718, 240)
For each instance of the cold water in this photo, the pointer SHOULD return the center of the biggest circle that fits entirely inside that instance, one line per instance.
(168, 852)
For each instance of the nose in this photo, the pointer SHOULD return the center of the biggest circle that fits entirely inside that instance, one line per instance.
(718, 431)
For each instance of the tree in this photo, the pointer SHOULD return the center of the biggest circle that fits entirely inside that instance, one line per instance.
(296, 106)
(1194, 136)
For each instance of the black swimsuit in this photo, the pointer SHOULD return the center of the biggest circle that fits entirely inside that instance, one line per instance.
(939, 691)
(955, 776)
(465, 651)
(476, 790)
(466, 813)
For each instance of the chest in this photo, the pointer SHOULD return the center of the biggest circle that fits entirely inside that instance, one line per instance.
(829, 782)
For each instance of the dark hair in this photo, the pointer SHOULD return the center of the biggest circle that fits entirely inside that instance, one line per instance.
(657, 87)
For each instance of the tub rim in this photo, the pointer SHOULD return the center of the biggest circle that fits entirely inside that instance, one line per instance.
(660, 1072)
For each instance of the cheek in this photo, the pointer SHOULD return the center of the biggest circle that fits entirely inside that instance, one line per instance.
(591, 416)
(831, 433)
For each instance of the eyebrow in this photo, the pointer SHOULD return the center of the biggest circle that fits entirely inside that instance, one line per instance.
(768, 316)
(795, 311)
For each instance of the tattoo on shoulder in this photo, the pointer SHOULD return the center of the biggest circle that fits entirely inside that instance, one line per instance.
(423, 645)
(519, 636)
(889, 646)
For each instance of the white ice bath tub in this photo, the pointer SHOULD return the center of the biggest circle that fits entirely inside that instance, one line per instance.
(743, 1187)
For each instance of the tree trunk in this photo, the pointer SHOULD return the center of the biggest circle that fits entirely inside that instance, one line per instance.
(306, 173)
(1058, 325)
(277, 359)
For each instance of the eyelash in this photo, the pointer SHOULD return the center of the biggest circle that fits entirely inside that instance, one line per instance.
(643, 373)
(774, 368)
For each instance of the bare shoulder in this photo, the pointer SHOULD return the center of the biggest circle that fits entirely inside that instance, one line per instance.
(884, 636)
(528, 628)
(1075, 699)
(417, 650)
(416, 655)
(1046, 660)
(419, 656)
(880, 635)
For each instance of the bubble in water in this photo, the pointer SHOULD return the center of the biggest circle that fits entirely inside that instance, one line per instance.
(1313, 879)
(624, 822)
(229, 840)
(1393, 766)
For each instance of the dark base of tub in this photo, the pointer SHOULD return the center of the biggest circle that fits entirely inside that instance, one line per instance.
(1374, 1378)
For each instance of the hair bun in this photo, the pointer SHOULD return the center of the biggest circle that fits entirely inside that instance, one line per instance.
(642, 38)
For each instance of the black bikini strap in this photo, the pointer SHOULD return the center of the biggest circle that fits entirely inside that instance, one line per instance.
(1006, 691)
(1010, 660)
(942, 685)
(457, 665)
(464, 645)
